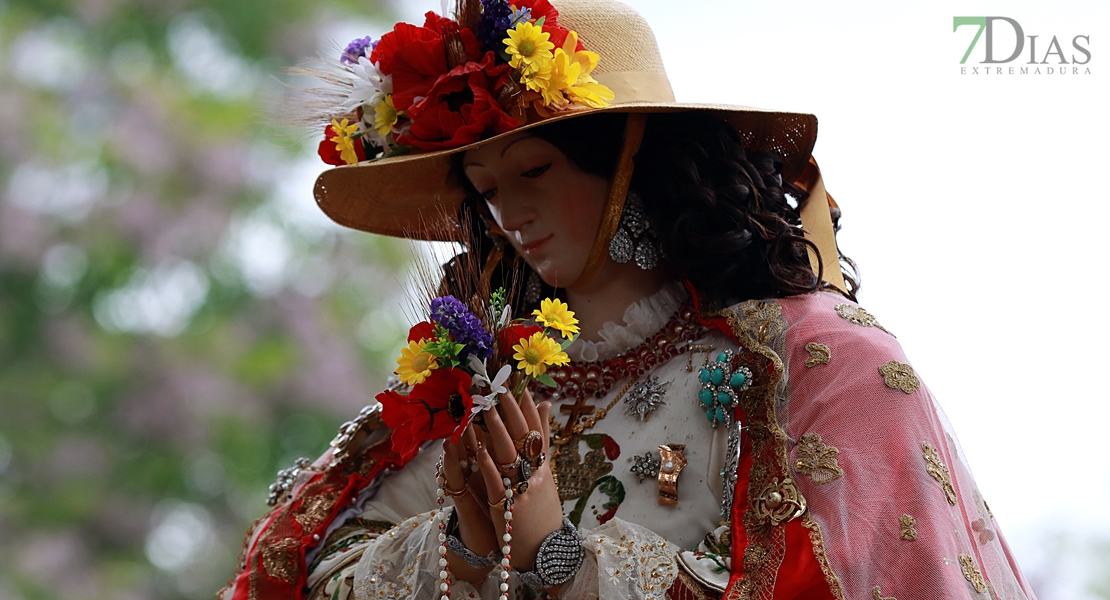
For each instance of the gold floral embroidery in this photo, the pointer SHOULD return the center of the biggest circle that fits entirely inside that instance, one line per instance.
(908, 532)
(938, 471)
(972, 574)
(859, 316)
(575, 476)
(877, 594)
(819, 354)
(315, 509)
(817, 460)
(280, 559)
(644, 563)
(899, 376)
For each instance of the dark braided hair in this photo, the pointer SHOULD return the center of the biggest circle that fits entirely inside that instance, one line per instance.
(724, 217)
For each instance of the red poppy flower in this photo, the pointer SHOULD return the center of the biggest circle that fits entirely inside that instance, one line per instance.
(435, 409)
(540, 8)
(559, 36)
(439, 24)
(460, 108)
(403, 35)
(512, 334)
(331, 155)
(446, 393)
(422, 330)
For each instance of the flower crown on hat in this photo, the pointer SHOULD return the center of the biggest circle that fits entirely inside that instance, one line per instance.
(451, 82)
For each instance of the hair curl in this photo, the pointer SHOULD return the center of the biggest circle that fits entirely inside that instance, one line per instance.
(724, 217)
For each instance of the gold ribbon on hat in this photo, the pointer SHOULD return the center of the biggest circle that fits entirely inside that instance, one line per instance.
(818, 226)
(614, 204)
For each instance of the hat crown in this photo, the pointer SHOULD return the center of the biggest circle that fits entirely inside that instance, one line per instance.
(630, 62)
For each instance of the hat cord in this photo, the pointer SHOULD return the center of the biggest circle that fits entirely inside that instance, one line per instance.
(618, 192)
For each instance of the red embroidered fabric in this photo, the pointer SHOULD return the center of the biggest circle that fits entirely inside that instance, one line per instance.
(800, 576)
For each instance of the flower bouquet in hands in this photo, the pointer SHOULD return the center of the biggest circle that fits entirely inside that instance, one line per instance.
(446, 366)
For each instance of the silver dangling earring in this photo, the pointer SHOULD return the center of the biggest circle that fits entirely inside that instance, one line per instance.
(635, 238)
(532, 289)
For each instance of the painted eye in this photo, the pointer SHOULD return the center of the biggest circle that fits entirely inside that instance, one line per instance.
(489, 194)
(533, 173)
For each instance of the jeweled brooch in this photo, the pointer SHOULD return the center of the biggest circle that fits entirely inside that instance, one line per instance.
(721, 382)
(644, 397)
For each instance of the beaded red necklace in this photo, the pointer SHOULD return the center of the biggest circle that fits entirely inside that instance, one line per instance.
(581, 379)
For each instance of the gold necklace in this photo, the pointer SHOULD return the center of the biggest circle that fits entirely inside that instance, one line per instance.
(573, 429)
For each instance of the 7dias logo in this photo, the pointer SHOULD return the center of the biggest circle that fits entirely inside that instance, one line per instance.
(1045, 57)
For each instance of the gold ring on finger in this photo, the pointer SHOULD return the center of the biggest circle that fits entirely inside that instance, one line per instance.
(450, 493)
(509, 468)
(530, 446)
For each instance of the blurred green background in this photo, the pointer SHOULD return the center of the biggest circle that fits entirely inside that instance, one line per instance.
(177, 321)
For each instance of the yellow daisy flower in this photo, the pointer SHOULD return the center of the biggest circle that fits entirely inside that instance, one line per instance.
(415, 365)
(536, 352)
(569, 80)
(537, 77)
(527, 45)
(556, 315)
(344, 143)
(385, 116)
(584, 89)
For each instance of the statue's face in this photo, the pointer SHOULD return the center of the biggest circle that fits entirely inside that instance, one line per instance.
(548, 208)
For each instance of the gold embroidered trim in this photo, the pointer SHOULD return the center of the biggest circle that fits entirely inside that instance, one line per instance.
(819, 354)
(757, 326)
(877, 594)
(817, 460)
(280, 559)
(908, 532)
(314, 509)
(818, 544)
(859, 316)
(938, 471)
(899, 376)
(972, 574)
(685, 587)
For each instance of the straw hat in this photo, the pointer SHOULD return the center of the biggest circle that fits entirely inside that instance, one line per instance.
(399, 195)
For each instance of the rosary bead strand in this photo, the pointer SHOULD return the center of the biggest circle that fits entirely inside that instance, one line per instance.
(441, 516)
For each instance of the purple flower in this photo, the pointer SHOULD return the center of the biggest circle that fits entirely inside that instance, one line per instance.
(464, 327)
(496, 17)
(357, 49)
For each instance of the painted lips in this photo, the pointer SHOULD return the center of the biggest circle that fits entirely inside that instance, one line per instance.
(531, 247)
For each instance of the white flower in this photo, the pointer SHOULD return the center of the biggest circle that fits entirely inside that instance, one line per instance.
(481, 379)
(369, 85)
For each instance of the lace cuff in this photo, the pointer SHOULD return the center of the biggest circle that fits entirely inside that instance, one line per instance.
(624, 560)
(403, 564)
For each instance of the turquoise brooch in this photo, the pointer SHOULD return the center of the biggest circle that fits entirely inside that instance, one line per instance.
(720, 384)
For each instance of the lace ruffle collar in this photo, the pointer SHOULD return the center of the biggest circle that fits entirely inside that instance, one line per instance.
(641, 320)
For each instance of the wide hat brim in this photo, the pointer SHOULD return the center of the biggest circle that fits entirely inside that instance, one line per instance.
(417, 196)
